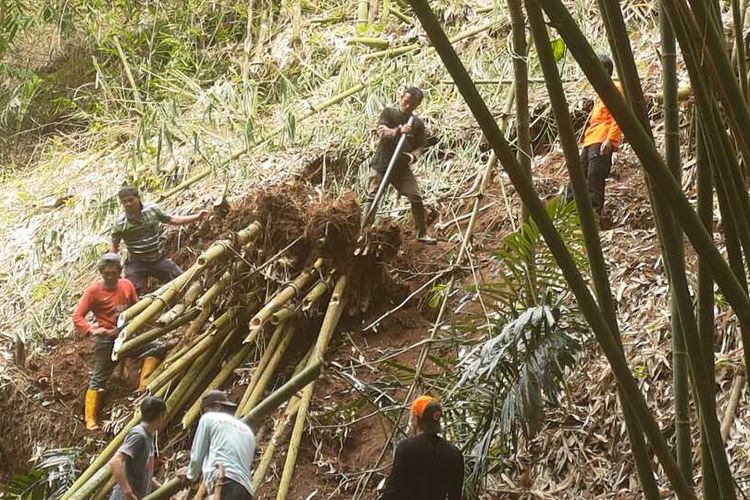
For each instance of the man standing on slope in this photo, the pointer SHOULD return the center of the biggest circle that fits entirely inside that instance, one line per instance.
(222, 449)
(601, 138)
(391, 126)
(426, 466)
(133, 464)
(106, 299)
(140, 228)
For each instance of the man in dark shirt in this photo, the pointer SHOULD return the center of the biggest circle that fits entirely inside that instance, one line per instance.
(133, 464)
(426, 466)
(391, 126)
(140, 228)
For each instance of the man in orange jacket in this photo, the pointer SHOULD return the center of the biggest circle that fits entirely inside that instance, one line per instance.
(601, 138)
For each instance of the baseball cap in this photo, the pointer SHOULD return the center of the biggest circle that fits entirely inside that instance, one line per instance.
(428, 411)
(215, 397)
(109, 259)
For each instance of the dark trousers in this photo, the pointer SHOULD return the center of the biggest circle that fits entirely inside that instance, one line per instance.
(596, 168)
(103, 364)
(232, 490)
(139, 271)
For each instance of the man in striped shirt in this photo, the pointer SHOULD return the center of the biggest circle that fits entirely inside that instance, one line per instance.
(140, 228)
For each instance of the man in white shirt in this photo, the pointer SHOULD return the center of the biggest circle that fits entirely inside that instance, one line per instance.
(222, 442)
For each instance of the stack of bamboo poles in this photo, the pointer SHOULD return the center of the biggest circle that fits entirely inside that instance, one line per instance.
(225, 323)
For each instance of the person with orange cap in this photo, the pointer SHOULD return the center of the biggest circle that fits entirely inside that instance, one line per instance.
(426, 466)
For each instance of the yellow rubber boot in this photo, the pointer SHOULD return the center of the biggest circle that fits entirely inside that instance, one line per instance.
(93, 400)
(147, 368)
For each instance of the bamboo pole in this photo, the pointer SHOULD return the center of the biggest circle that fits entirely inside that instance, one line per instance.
(235, 361)
(153, 334)
(273, 133)
(314, 295)
(178, 365)
(282, 297)
(568, 267)
(174, 354)
(270, 369)
(173, 289)
(191, 295)
(330, 321)
(672, 155)
(362, 8)
(197, 325)
(368, 41)
(416, 47)
(268, 451)
(210, 295)
(705, 302)
(137, 308)
(281, 315)
(395, 12)
(521, 76)
(261, 367)
(593, 247)
(103, 493)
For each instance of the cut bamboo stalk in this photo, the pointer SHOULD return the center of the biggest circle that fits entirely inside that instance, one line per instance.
(315, 293)
(222, 247)
(172, 370)
(197, 325)
(281, 315)
(279, 429)
(173, 289)
(277, 131)
(153, 334)
(400, 15)
(256, 416)
(137, 308)
(416, 47)
(260, 368)
(270, 369)
(282, 297)
(175, 354)
(194, 411)
(191, 295)
(166, 490)
(103, 493)
(191, 383)
(221, 284)
(330, 322)
(368, 41)
(362, 9)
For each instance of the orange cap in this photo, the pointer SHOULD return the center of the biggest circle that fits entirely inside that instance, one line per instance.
(420, 404)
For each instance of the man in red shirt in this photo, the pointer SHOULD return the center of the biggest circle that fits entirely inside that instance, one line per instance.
(601, 138)
(106, 299)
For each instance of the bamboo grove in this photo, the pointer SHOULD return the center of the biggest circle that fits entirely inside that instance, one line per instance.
(723, 137)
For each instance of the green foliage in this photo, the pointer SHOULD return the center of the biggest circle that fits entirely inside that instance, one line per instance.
(54, 474)
(503, 379)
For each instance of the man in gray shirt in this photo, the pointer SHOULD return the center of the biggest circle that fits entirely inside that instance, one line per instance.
(133, 464)
(222, 450)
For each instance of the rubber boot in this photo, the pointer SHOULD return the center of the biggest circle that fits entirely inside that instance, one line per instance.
(147, 368)
(93, 400)
(417, 211)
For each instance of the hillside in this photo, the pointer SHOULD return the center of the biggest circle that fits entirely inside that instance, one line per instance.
(265, 112)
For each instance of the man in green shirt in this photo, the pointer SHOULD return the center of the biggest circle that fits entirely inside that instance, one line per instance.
(140, 228)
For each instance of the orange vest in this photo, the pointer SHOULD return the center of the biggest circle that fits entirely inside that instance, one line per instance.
(602, 125)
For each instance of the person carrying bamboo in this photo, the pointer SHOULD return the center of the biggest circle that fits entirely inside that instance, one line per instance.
(106, 299)
(140, 228)
(133, 464)
(426, 466)
(601, 138)
(392, 125)
(222, 450)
